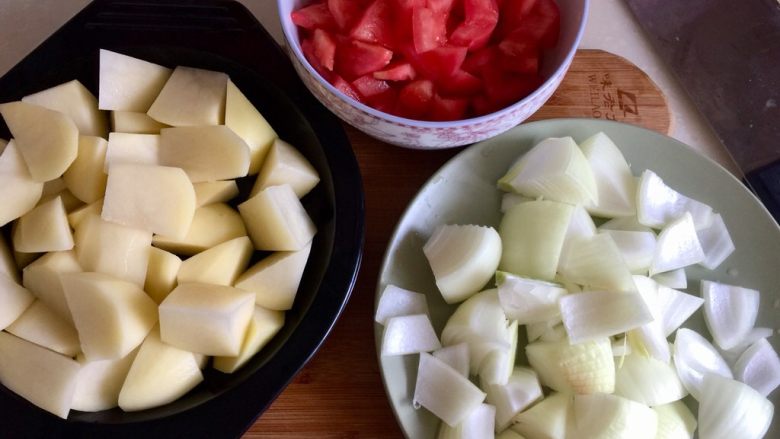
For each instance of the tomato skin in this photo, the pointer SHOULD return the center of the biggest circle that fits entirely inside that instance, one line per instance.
(314, 16)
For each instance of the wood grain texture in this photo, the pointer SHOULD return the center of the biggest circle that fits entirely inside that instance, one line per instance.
(339, 394)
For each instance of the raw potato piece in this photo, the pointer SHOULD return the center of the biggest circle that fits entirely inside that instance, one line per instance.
(206, 153)
(243, 118)
(45, 378)
(127, 83)
(157, 199)
(24, 259)
(212, 224)
(134, 123)
(209, 192)
(77, 216)
(161, 274)
(43, 229)
(207, 319)
(286, 165)
(137, 149)
(85, 177)
(15, 300)
(264, 325)
(57, 188)
(7, 263)
(48, 152)
(112, 316)
(276, 220)
(99, 382)
(275, 279)
(160, 374)
(19, 192)
(191, 97)
(219, 265)
(42, 326)
(76, 102)
(114, 249)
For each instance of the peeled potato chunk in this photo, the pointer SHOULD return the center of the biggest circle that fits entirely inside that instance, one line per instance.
(276, 220)
(44, 229)
(212, 224)
(57, 188)
(112, 316)
(19, 192)
(286, 165)
(243, 118)
(275, 279)
(42, 326)
(209, 192)
(85, 177)
(264, 325)
(45, 378)
(114, 249)
(75, 101)
(207, 319)
(137, 149)
(191, 97)
(219, 265)
(76, 216)
(161, 274)
(7, 264)
(99, 382)
(48, 152)
(42, 278)
(206, 153)
(134, 123)
(15, 299)
(157, 199)
(160, 374)
(127, 83)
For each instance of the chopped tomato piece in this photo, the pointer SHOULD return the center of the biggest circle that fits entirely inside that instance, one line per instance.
(521, 56)
(429, 29)
(441, 5)
(504, 88)
(513, 14)
(448, 108)
(374, 26)
(441, 62)
(461, 83)
(314, 16)
(307, 47)
(542, 24)
(356, 58)
(396, 72)
(386, 101)
(344, 87)
(346, 12)
(324, 48)
(481, 105)
(415, 98)
(481, 20)
(476, 60)
(369, 86)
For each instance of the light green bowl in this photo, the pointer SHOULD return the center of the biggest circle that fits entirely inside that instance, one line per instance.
(463, 191)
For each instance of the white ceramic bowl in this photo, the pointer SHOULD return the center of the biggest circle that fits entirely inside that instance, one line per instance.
(420, 134)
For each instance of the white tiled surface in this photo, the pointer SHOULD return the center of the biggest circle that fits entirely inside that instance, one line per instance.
(26, 23)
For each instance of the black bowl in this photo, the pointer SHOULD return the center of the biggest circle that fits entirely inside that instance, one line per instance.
(218, 35)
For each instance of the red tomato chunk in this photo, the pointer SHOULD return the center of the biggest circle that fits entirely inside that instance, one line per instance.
(430, 59)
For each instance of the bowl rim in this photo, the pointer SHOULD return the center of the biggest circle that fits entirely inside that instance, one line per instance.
(293, 45)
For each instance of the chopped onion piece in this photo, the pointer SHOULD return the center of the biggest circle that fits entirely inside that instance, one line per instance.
(592, 315)
(648, 381)
(535, 330)
(546, 419)
(652, 340)
(444, 392)
(732, 355)
(498, 365)
(615, 184)
(716, 243)
(675, 421)
(556, 333)
(759, 367)
(397, 301)
(677, 246)
(729, 409)
(528, 300)
(675, 307)
(596, 262)
(521, 390)
(509, 434)
(621, 347)
(509, 199)
(672, 279)
(627, 224)
(637, 248)
(581, 368)
(456, 356)
(658, 205)
(463, 259)
(580, 226)
(602, 416)
(477, 425)
(694, 357)
(554, 169)
(409, 335)
(729, 311)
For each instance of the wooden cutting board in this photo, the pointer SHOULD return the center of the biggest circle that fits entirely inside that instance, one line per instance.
(602, 85)
(339, 394)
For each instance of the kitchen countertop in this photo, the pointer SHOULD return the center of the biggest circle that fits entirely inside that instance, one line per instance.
(339, 393)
